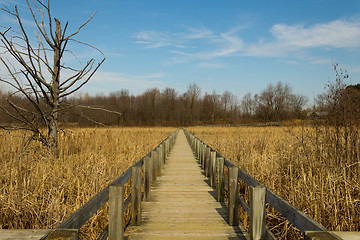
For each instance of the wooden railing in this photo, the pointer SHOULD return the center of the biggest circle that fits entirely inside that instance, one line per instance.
(143, 173)
(213, 164)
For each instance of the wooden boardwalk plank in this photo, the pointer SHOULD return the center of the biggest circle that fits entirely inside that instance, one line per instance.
(183, 205)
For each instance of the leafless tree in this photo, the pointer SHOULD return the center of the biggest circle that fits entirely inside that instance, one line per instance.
(277, 102)
(247, 105)
(191, 98)
(34, 64)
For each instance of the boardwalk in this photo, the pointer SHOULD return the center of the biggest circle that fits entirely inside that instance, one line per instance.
(183, 205)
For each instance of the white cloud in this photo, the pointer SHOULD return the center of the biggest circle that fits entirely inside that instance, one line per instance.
(154, 39)
(122, 78)
(203, 43)
(339, 34)
(198, 33)
(322, 61)
(105, 82)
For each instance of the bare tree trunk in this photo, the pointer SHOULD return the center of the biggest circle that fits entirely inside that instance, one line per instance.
(55, 91)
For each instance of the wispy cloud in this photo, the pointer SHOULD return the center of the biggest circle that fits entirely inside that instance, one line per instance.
(198, 33)
(211, 65)
(156, 39)
(203, 43)
(339, 34)
(106, 82)
(321, 61)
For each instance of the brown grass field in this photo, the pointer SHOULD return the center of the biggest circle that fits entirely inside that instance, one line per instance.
(37, 192)
(301, 164)
(298, 163)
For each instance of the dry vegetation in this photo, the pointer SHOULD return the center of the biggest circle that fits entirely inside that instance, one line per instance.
(37, 192)
(305, 165)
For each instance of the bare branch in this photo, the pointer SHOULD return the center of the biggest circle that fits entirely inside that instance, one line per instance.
(42, 30)
(83, 25)
(99, 108)
(84, 82)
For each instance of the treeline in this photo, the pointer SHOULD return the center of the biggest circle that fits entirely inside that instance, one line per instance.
(168, 107)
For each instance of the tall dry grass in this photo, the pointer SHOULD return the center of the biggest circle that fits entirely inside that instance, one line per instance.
(301, 165)
(38, 192)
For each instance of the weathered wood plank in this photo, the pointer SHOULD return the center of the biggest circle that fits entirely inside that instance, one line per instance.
(296, 217)
(147, 178)
(220, 179)
(213, 169)
(86, 211)
(257, 213)
(233, 205)
(37, 234)
(136, 195)
(116, 212)
(183, 205)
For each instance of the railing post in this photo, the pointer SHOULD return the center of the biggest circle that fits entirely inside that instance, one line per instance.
(160, 159)
(213, 168)
(116, 212)
(207, 162)
(154, 166)
(198, 150)
(203, 155)
(167, 151)
(220, 179)
(257, 213)
(136, 195)
(147, 178)
(233, 194)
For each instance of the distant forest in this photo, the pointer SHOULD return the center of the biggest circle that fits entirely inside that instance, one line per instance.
(170, 108)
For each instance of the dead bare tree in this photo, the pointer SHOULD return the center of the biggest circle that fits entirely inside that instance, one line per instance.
(34, 64)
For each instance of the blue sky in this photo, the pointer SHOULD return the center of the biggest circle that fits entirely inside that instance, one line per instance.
(240, 46)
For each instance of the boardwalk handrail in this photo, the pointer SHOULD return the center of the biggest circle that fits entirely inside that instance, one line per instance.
(86, 211)
(297, 218)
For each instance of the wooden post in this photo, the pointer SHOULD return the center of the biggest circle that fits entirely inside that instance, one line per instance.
(203, 155)
(116, 212)
(233, 194)
(213, 169)
(160, 159)
(136, 195)
(163, 153)
(220, 179)
(166, 150)
(147, 178)
(257, 213)
(154, 167)
(198, 150)
(207, 162)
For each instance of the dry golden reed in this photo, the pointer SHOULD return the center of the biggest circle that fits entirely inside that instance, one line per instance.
(38, 192)
(298, 164)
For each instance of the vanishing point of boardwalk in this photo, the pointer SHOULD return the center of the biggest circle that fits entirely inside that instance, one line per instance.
(183, 205)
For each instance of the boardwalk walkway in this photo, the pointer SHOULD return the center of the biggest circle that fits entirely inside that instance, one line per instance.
(183, 205)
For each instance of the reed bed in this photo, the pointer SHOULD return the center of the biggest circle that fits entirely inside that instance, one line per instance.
(39, 192)
(302, 164)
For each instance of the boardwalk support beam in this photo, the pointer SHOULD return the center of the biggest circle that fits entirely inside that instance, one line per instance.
(116, 212)
(257, 213)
